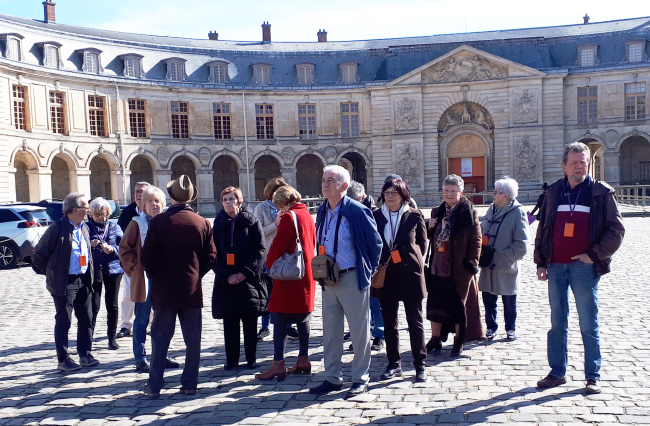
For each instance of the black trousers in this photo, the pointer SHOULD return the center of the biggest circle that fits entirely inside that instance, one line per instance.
(112, 284)
(231, 337)
(413, 309)
(77, 297)
(162, 331)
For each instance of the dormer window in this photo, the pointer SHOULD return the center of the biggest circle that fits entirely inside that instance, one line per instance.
(261, 73)
(587, 55)
(13, 46)
(348, 72)
(51, 54)
(176, 69)
(218, 72)
(635, 50)
(91, 61)
(305, 74)
(133, 65)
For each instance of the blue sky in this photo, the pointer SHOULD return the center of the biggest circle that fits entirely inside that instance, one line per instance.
(293, 20)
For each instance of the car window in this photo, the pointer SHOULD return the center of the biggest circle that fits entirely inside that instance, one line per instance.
(39, 216)
(115, 208)
(8, 216)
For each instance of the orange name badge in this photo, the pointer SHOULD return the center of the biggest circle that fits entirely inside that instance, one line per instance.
(83, 260)
(569, 229)
(485, 240)
(230, 259)
(321, 250)
(441, 249)
(395, 256)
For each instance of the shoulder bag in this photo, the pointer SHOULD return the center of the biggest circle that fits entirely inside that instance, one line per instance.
(487, 251)
(324, 269)
(290, 266)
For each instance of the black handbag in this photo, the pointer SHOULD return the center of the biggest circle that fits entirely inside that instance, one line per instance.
(487, 252)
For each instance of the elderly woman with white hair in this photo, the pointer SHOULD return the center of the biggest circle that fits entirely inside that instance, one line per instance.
(105, 238)
(505, 243)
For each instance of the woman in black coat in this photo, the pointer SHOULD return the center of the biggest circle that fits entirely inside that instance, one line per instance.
(404, 236)
(239, 292)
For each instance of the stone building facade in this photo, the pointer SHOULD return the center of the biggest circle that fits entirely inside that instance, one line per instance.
(96, 111)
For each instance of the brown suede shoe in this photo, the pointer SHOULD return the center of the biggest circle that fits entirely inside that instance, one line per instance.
(551, 381)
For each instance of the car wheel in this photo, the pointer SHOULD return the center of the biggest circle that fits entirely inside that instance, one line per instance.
(8, 256)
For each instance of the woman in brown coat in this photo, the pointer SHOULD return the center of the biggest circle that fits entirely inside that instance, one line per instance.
(153, 202)
(404, 239)
(455, 238)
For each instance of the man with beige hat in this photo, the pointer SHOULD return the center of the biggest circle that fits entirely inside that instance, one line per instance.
(178, 252)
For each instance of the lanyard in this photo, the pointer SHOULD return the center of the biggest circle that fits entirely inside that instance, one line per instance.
(103, 237)
(568, 194)
(232, 232)
(393, 230)
(328, 221)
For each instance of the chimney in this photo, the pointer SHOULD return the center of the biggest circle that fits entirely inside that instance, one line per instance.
(213, 35)
(266, 32)
(322, 36)
(48, 10)
(586, 18)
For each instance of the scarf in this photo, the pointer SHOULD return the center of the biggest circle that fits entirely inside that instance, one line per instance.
(396, 218)
(445, 232)
(274, 209)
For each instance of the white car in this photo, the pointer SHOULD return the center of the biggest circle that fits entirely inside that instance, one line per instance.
(21, 228)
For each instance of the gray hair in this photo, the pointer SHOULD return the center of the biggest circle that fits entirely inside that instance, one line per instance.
(71, 201)
(578, 147)
(142, 183)
(98, 205)
(454, 180)
(151, 192)
(507, 186)
(340, 172)
(356, 191)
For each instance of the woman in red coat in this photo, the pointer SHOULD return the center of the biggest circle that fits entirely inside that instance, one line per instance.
(291, 301)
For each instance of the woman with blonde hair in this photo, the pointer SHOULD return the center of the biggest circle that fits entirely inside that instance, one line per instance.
(239, 295)
(292, 301)
(153, 203)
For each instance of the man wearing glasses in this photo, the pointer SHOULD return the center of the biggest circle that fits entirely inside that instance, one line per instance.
(579, 230)
(63, 256)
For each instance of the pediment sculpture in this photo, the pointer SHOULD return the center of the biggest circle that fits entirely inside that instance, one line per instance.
(464, 67)
(465, 113)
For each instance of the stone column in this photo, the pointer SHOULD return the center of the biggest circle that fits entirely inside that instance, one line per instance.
(81, 183)
(40, 184)
(289, 175)
(161, 179)
(12, 185)
(244, 182)
(126, 178)
(612, 160)
(116, 186)
(205, 186)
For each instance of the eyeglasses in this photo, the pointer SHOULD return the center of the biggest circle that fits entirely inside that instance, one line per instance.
(83, 208)
(139, 191)
(99, 214)
(390, 193)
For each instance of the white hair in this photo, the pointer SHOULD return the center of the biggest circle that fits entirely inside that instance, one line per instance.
(100, 205)
(356, 191)
(507, 186)
(454, 180)
(340, 172)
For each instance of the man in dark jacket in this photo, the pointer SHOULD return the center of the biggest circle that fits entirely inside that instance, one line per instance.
(346, 232)
(178, 252)
(127, 306)
(63, 256)
(579, 230)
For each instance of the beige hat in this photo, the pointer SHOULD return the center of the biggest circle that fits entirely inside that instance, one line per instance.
(182, 189)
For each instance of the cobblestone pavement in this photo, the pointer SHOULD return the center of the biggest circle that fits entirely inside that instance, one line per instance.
(492, 383)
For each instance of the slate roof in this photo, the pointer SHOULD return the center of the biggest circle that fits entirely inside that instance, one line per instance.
(544, 48)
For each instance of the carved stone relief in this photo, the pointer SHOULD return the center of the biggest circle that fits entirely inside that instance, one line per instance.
(330, 151)
(82, 152)
(288, 153)
(408, 163)
(204, 154)
(526, 158)
(44, 149)
(467, 146)
(407, 116)
(525, 106)
(242, 153)
(464, 67)
(465, 113)
(163, 154)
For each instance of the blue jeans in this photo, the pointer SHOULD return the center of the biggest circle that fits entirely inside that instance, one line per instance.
(509, 310)
(584, 284)
(266, 320)
(376, 318)
(140, 323)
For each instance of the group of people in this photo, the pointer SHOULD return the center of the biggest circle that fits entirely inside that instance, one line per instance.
(366, 259)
